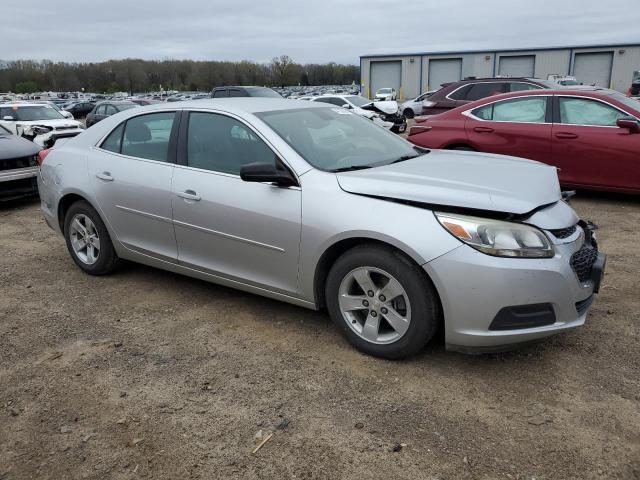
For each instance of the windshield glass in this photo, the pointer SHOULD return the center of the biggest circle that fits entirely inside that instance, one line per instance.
(4, 132)
(331, 139)
(627, 102)
(384, 90)
(28, 113)
(357, 100)
(125, 106)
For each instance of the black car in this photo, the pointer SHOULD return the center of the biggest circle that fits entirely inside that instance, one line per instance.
(234, 91)
(103, 110)
(79, 109)
(18, 166)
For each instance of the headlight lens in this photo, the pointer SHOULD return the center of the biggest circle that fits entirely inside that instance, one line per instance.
(495, 237)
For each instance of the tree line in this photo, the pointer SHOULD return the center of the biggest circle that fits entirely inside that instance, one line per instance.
(137, 75)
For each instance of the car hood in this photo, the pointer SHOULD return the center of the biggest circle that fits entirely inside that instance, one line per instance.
(12, 146)
(470, 180)
(62, 122)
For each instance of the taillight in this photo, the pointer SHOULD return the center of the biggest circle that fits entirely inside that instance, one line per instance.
(42, 154)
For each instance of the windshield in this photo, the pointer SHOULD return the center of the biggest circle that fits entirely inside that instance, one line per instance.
(627, 102)
(357, 100)
(4, 132)
(568, 82)
(125, 106)
(334, 139)
(28, 113)
(384, 90)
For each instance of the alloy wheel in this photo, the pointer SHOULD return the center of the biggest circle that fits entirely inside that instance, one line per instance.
(85, 240)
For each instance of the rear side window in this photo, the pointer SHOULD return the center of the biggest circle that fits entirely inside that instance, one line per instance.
(114, 141)
(521, 110)
(147, 136)
(101, 109)
(521, 87)
(483, 90)
(582, 111)
(222, 144)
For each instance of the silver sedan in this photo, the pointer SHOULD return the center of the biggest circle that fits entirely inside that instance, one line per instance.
(316, 206)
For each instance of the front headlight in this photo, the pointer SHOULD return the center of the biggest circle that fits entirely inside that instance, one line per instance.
(496, 237)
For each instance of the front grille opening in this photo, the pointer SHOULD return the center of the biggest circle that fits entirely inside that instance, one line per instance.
(563, 232)
(582, 261)
(22, 162)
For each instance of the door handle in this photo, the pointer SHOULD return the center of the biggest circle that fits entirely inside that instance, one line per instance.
(106, 176)
(566, 135)
(483, 129)
(189, 195)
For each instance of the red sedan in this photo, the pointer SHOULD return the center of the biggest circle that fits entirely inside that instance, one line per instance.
(591, 134)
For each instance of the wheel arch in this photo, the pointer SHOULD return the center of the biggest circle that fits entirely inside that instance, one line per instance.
(65, 203)
(456, 145)
(336, 249)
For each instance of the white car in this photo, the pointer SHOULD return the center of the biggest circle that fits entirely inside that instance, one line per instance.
(386, 94)
(385, 114)
(413, 107)
(21, 118)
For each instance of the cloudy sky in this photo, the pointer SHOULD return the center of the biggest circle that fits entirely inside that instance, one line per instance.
(308, 31)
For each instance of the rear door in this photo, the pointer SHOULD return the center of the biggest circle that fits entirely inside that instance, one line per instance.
(243, 231)
(131, 174)
(590, 148)
(518, 126)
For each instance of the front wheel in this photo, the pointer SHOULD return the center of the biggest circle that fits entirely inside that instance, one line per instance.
(382, 302)
(409, 113)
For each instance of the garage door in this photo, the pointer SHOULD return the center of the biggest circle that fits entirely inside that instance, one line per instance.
(517, 66)
(385, 75)
(444, 71)
(595, 68)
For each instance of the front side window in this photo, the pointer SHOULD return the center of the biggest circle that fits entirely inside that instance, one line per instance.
(223, 144)
(111, 110)
(521, 110)
(220, 93)
(483, 90)
(147, 136)
(101, 110)
(583, 111)
(234, 92)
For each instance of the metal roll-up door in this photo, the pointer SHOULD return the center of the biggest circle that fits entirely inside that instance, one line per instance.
(444, 70)
(386, 75)
(595, 67)
(517, 66)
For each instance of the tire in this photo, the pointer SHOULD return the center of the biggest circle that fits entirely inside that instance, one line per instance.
(462, 148)
(408, 113)
(105, 259)
(418, 302)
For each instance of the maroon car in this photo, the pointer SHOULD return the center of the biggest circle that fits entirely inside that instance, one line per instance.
(591, 134)
(456, 94)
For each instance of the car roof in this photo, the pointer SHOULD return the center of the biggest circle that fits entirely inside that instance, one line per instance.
(26, 104)
(239, 104)
(115, 102)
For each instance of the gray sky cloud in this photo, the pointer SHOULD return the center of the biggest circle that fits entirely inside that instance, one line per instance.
(312, 31)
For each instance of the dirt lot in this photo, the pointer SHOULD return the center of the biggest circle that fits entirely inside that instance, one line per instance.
(150, 374)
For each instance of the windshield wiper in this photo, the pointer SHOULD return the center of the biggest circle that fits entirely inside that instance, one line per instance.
(403, 158)
(350, 168)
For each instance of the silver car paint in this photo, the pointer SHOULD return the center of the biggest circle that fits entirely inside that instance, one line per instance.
(320, 213)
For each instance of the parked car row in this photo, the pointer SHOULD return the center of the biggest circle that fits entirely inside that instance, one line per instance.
(592, 135)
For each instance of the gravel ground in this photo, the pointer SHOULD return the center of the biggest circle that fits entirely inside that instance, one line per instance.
(149, 374)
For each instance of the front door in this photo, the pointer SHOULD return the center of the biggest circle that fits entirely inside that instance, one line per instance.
(131, 174)
(243, 231)
(590, 149)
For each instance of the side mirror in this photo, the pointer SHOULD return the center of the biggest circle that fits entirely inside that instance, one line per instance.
(630, 123)
(347, 106)
(8, 118)
(66, 114)
(266, 172)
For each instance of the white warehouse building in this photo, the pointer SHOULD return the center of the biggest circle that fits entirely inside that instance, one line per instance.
(610, 66)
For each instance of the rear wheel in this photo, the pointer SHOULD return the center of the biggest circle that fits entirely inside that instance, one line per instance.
(464, 148)
(88, 240)
(382, 302)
